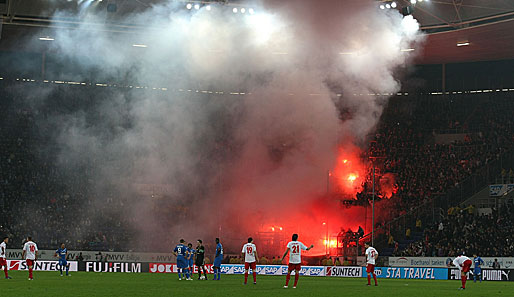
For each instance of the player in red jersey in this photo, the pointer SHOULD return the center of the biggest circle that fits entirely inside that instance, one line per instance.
(295, 248)
(3, 259)
(30, 255)
(250, 255)
(464, 264)
(371, 256)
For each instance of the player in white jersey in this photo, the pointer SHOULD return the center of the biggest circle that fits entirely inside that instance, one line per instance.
(464, 264)
(250, 254)
(371, 256)
(30, 254)
(3, 259)
(294, 248)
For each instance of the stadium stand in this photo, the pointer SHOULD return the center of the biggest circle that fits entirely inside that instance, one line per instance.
(408, 137)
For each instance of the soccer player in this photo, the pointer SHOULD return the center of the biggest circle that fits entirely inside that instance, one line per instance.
(217, 260)
(464, 264)
(478, 268)
(295, 248)
(3, 260)
(200, 260)
(250, 255)
(190, 259)
(180, 252)
(30, 255)
(371, 256)
(62, 253)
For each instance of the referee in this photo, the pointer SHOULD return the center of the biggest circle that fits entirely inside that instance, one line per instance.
(200, 260)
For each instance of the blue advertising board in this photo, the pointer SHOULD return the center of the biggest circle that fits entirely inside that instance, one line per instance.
(410, 272)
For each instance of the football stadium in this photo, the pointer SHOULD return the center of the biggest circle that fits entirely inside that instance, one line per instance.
(256, 147)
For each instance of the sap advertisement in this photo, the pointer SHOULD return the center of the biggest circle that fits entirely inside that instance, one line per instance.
(240, 269)
(409, 272)
(273, 270)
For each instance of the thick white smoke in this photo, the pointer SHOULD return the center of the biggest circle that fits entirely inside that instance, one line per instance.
(307, 71)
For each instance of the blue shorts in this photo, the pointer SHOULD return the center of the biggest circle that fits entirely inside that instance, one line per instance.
(190, 262)
(217, 261)
(63, 263)
(477, 270)
(181, 263)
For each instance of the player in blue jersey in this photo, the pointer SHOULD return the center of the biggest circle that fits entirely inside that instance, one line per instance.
(181, 253)
(191, 258)
(217, 260)
(62, 253)
(478, 268)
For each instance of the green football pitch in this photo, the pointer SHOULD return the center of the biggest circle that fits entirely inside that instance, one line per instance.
(147, 284)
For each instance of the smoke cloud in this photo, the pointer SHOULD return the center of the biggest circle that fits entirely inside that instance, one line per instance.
(255, 111)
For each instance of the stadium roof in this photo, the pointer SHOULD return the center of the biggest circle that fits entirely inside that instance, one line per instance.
(484, 29)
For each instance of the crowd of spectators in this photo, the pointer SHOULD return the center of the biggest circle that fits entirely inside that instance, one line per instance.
(464, 230)
(425, 166)
(43, 197)
(53, 203)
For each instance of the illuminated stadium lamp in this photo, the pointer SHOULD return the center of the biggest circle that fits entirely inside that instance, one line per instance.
(251, 11)
(197, 6)
(420, 0)
(466, 43)
(273, 229)
(413, 1)
(47, 38)
(407, 49)
(234, 10)
(189, 6)
(140, 45)
(243, 10)
(382, 6)
(208, 7)
(345, 161)
(388, 5)
(393, 5)
(280, 228)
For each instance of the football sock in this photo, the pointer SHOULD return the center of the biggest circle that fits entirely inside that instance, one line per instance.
(246, 276)
(5, 271)
(179, 273)
(67, 269)
(296, 276)
(30, 272)
(60, 269)
(288, 277)
(254, 277)
(219, 274)
(369, 279)
(375, 279)
(464, 281)
(187, 273)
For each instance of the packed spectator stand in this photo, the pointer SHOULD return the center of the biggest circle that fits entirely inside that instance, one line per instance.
(47, 202)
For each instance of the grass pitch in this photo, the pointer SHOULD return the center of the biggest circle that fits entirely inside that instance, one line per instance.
(147, 284)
